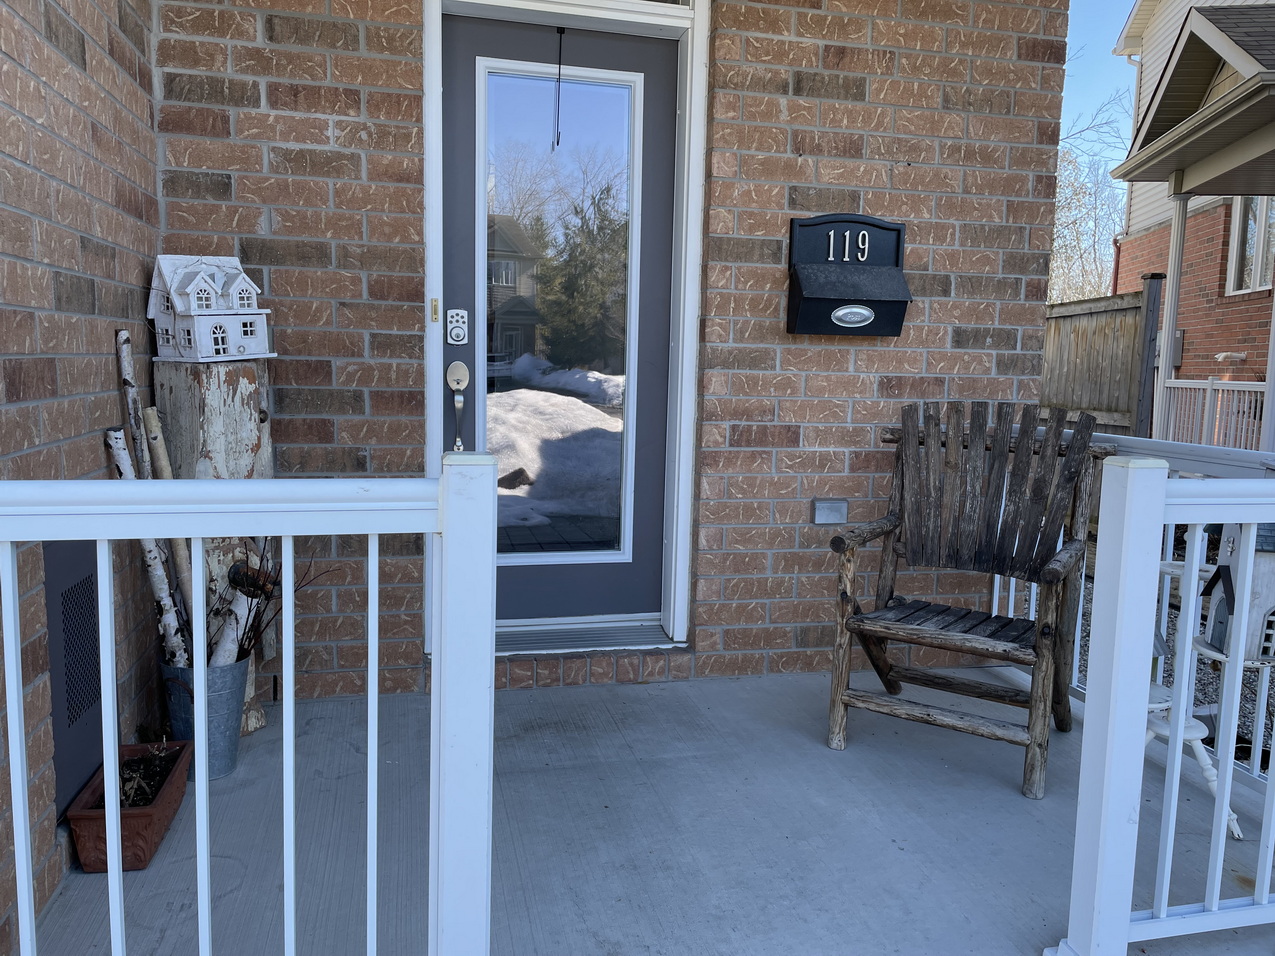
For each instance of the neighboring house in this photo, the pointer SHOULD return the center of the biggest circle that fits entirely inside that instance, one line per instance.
(1201, 132)
(331, 148)
(512, 260)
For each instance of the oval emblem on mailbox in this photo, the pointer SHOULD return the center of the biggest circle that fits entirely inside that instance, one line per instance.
(853, 316)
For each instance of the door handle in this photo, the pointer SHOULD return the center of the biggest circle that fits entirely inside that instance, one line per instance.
(458, 381)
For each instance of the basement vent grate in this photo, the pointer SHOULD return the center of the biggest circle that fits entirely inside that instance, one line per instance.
(79, 642)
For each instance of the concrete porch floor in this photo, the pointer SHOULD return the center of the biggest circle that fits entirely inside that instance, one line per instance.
(705, 817)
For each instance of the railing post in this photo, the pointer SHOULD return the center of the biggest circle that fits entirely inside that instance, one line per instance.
(1130, 529)
(462, 705)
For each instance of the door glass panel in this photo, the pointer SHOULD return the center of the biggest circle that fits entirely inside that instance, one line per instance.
(559, 188)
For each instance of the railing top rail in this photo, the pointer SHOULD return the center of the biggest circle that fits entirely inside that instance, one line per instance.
(1211, 460)
(1217, 383)
(118, 510)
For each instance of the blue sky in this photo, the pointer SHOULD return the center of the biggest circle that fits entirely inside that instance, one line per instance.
(1093, 74)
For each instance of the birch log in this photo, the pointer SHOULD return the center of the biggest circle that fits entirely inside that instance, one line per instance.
(180, 549)
(174, 648)
(132, 403)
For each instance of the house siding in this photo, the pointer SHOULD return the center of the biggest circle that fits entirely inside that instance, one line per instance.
(1211, 320)
(78, 227)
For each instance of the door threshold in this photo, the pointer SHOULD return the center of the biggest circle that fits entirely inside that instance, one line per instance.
(597, 637)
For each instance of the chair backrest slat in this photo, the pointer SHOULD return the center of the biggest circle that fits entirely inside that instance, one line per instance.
(972, 494)
(1060, 503)
(955, 460)
(989, 518)
(1016, 490)
(1044, 472)
(933, 479)
(913, 487)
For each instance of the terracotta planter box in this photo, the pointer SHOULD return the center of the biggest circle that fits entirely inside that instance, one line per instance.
(142, 827)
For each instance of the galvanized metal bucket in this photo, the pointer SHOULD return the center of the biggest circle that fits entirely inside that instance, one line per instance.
(225, 711)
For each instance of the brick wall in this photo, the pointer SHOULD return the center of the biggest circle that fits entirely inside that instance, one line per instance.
(78, 217)
(1211, 320)
(940, 113)
(290, 135)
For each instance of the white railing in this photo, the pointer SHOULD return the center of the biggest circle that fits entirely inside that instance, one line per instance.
(458, 515)
(1214, 412)
(1140, 503)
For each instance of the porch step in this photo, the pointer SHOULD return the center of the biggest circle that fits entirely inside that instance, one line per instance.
(938, 716)
(601, 637)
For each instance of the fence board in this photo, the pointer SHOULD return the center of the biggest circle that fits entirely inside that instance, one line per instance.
(1095, 357)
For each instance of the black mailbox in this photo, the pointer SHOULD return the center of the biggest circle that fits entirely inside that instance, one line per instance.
(845, 276)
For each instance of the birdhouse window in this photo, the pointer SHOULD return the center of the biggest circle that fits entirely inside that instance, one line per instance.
(188, 339)
(1268, 637)
(203, 299)
(244, 298)
(165, 303)
(165, 336)
(220, 343)
(248, 329)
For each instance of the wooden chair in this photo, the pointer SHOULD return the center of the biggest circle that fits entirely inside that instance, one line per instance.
(967, 497)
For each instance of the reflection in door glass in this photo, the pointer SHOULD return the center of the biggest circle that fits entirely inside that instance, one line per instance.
(557, 308)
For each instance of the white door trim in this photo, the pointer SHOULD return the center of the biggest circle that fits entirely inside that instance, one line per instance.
(689, 25)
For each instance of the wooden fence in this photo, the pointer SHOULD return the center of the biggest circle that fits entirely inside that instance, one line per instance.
(1099, 357)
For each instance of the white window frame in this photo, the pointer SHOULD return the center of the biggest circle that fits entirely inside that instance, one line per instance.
(187, 339)
(245, 299)
(248, 329)
(505, 268)
(1234, 263)
(202, 299)
(219, 337)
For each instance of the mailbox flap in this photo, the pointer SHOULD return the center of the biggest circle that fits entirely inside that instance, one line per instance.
(832, 281)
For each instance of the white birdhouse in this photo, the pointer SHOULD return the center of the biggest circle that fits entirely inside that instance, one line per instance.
(204, 309)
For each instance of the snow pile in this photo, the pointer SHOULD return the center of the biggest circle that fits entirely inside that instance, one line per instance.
(569, 450)
(594, 387)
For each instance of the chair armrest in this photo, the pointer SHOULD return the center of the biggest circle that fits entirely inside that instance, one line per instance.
(864, 534)
(1062, 563)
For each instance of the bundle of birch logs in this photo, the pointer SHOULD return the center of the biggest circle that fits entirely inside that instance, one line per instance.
(139, 451)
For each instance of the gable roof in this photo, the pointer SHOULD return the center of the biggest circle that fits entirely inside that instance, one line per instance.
(1215, 91)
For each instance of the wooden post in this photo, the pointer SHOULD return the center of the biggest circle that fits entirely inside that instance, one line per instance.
(1152, 293)
(214, 416)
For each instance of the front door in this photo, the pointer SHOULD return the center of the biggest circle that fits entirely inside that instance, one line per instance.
(558, 174)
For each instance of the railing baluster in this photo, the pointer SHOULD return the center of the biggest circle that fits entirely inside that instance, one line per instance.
(288, 622)
(110, 746)
(199, 661)
(1183, 670)
(1266, 843)
(11, 622)
(373, 726)
(1229, 712)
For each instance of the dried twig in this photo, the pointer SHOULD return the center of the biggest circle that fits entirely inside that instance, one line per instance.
(180, 549)
(132, 403)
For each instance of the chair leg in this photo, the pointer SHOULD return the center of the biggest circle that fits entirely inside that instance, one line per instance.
(840, 682)
(874, 648)
(1210, 777)
(1062, 684)
(1038, 712)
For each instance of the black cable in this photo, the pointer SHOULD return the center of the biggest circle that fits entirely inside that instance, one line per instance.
(557, 101)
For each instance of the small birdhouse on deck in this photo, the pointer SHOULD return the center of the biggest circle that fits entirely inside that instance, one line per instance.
(204, 309)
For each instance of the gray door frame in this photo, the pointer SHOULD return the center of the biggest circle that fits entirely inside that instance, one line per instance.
(689, 25)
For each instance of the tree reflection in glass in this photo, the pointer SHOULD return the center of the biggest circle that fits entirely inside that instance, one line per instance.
(557, 308)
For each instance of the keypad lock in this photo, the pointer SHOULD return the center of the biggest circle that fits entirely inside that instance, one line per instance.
(457, 327)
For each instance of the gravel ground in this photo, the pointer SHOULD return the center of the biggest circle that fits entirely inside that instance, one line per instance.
(1207, 680)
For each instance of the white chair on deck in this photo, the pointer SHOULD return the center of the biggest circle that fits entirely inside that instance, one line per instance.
(1158, 705)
